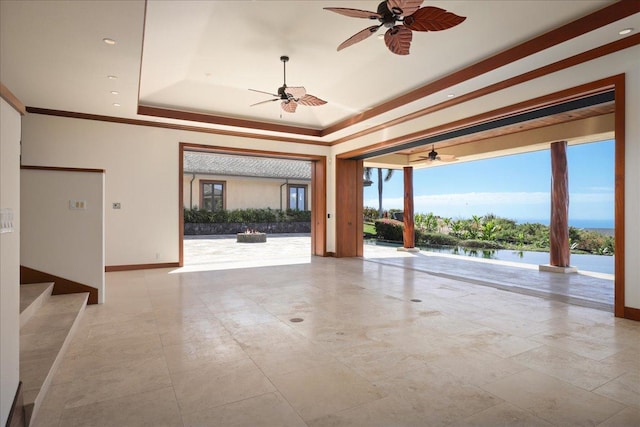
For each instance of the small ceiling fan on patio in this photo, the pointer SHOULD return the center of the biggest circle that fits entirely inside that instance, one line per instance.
(291, 97)
(401, 17)
(433, 156)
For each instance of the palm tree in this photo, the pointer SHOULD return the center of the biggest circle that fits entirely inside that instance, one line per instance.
(387, 177)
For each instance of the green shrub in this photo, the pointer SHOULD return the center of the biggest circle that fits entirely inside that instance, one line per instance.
(389, 229)
(438, 239)
(196, 215)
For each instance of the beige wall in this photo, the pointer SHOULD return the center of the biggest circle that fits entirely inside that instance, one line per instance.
(245, 192)
(9, 258)
(56, 239)
(141, 165)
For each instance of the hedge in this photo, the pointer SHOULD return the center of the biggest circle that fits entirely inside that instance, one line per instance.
(267, 215)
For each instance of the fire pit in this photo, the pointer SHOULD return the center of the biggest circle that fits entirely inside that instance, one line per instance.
(251, 236)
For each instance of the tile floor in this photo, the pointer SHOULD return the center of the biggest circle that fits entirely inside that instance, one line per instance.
(217, 348)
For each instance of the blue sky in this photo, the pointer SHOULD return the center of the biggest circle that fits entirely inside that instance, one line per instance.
(515, 187)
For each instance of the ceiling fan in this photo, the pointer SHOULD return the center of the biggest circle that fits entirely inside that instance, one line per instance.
(401, 17)
(290, 96)
(433, 156)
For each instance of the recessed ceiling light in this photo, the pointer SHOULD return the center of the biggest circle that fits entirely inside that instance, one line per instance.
(451, 95)
(112, 77)
(115, 104)
(625, 31)
(109, 41)
(114, 92)
(381, 36)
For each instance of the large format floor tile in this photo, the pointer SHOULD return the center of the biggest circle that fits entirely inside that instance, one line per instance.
(216, 346)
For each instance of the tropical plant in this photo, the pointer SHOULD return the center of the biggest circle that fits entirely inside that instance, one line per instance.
(369, 214)
(387, 177)
(426, 222)
(488, 230)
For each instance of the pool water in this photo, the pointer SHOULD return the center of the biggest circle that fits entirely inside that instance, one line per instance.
(596, 263)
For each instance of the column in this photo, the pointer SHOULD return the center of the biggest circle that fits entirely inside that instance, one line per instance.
(559, 250)
(409, 235)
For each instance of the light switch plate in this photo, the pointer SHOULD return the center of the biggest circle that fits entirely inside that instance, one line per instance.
(77, 204)
(6, 220)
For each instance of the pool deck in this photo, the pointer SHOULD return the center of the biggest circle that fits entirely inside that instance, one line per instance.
(588, 289)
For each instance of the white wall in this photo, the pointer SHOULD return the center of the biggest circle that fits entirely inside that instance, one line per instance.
(56, 239)
(141, 166)
(9, 258)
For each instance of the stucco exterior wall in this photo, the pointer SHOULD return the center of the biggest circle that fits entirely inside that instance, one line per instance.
(244, 192)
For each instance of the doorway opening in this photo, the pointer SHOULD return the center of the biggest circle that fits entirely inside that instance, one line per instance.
(600, 104)
(241, 208)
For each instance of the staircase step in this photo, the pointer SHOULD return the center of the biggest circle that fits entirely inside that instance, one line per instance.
(43, 341)
(32, 297)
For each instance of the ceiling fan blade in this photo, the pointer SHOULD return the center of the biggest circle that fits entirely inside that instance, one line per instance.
(311, 101)
(419, 159)
(407, 7)
(264, 102)
(261, 91)
(432, 19)
(354, 13)
(398, 39)
(296, 92)
(289, 106)
(359, 36)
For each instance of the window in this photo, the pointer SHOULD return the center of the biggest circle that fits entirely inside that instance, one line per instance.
(212, 195)
(297, 197)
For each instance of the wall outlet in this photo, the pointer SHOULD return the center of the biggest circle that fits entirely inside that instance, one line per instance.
(115, 205)
(77, 204)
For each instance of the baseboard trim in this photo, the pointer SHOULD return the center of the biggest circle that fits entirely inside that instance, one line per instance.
(331, 254)
(60, 284)
(16, 414)
(112, 268)
(632, 313)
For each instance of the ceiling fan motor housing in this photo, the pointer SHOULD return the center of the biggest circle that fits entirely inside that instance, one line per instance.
(281, 92)
(387, 18)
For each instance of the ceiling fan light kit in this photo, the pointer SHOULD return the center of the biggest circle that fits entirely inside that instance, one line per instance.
(290, 97)
(401, 17)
